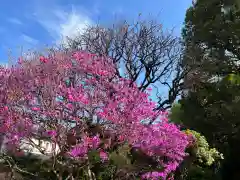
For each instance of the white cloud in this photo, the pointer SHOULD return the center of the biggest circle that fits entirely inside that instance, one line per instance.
(15, 21)
(61, 23)
(73, 25)
(29, 39)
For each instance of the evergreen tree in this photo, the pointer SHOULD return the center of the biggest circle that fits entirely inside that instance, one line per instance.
(211, 39)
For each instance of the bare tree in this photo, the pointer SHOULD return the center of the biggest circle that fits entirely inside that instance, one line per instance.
(142, 51)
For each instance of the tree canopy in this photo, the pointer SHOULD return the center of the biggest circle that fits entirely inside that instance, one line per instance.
(211, 105)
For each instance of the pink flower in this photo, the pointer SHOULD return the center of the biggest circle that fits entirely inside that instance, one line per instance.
(5, 108)
(114, 100)
(35, 108)
(149, 89)
(154, 175)
(121, 138)
(78, 150)
(16, 137)
(20, 60)
(52, 133)
(70, 106)
(95, 142)
(85, 101)
(70, 97)
(102, 73)
(43, 59)
(103, 156)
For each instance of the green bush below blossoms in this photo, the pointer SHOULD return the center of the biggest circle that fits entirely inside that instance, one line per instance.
(202, 151)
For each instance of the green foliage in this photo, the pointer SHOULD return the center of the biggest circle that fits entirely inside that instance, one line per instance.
(121, 157)
(202, 161)
(94, 157)
(176, 113)
(198, 172)
(106, 172)
(202, 150)
(199, 164)
(211, 38)
(233, 78)
(214, 110)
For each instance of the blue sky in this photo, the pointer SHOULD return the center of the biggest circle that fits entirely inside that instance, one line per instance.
(36, 23)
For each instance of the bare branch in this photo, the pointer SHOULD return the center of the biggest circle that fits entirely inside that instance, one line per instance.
(144, 51)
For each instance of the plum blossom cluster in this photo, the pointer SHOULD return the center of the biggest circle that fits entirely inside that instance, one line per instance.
(59, 91)
(88, 143)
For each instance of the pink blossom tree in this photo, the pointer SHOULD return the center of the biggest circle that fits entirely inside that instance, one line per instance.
(78, 102)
